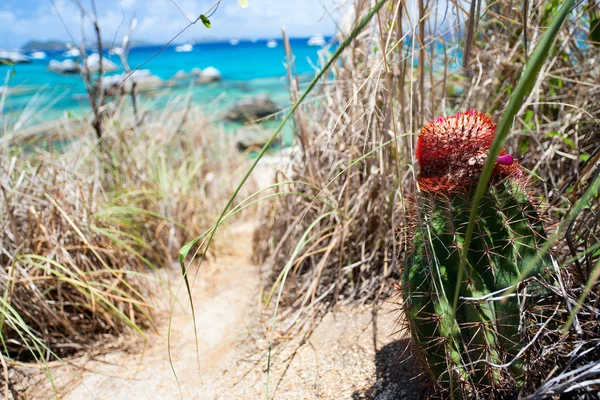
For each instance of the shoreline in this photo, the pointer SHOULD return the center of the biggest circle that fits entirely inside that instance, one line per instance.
(214, 98)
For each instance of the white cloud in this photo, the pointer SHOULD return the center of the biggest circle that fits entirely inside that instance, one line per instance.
(127, 4)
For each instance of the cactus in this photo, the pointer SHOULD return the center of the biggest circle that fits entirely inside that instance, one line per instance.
(464, 348)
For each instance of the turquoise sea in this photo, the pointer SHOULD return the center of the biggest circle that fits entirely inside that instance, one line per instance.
(248, 68)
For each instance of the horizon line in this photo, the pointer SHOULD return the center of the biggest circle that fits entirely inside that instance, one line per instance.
(191, 41)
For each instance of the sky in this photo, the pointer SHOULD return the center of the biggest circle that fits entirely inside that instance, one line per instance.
(158, 21)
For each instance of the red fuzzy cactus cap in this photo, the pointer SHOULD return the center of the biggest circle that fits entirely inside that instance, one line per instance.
(452, 151)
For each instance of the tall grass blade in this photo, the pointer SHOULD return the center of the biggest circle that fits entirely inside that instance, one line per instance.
(186, 249)
(281, 279)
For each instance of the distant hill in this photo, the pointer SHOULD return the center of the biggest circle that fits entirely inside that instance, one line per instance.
(48, 45)
(57, 45)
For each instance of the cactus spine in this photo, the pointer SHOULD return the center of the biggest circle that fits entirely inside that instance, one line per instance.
(464, 347)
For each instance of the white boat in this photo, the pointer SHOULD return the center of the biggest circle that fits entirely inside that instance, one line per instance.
(272, 44)
(116, 51)
(233, 42)
(317, 40)
(38, 55)
(184, 48)
(72, 52)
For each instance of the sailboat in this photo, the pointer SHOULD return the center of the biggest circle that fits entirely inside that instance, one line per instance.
(317, 40)
(184, 48)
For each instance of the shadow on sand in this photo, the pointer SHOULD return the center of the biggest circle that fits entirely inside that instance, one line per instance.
(398, 377)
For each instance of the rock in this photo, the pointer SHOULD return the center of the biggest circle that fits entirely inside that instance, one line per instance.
(181, 74)
(63, 67)
(251, 136)
(209, 75)
(13, 57)
(252, 108)
(38, 55)
(72, 52)
(69, 66)
(196, 71)
(143, 79)
(92, 62)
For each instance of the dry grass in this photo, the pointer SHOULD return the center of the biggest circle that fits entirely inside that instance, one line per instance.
(350, 252)
(336, 222)
(62, 278)
(82, 228)
(79, 229)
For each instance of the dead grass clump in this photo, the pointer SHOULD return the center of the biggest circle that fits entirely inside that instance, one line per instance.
(81, 229)
(558, 127)
(333, 222)
(166, 177)
(64, 279)
(328, 235)
(568, 363)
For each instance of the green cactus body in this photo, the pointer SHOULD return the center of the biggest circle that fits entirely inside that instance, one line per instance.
(462, 346)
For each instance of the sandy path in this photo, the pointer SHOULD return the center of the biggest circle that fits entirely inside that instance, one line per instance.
(342, 359)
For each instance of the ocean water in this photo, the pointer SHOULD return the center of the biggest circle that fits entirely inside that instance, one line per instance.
(248, 69)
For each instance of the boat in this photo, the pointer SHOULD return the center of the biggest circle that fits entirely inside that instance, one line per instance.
(272, 44)
(116, 51)
(38, 55)
(317, 40)
(184, 48)
(233, 42)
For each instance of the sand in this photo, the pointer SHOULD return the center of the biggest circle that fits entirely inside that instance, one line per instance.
(345, 357)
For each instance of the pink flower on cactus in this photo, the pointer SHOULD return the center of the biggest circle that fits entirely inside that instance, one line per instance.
(451, 152)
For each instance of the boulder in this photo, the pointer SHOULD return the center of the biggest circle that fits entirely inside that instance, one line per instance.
(63, 67)
(69, 66)
(209, 75)
(143, 79)
(181, 74)
(13, 57)
(252, 108)
(38, 55)
(92, 62)
(251, 137)
(72, 52)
